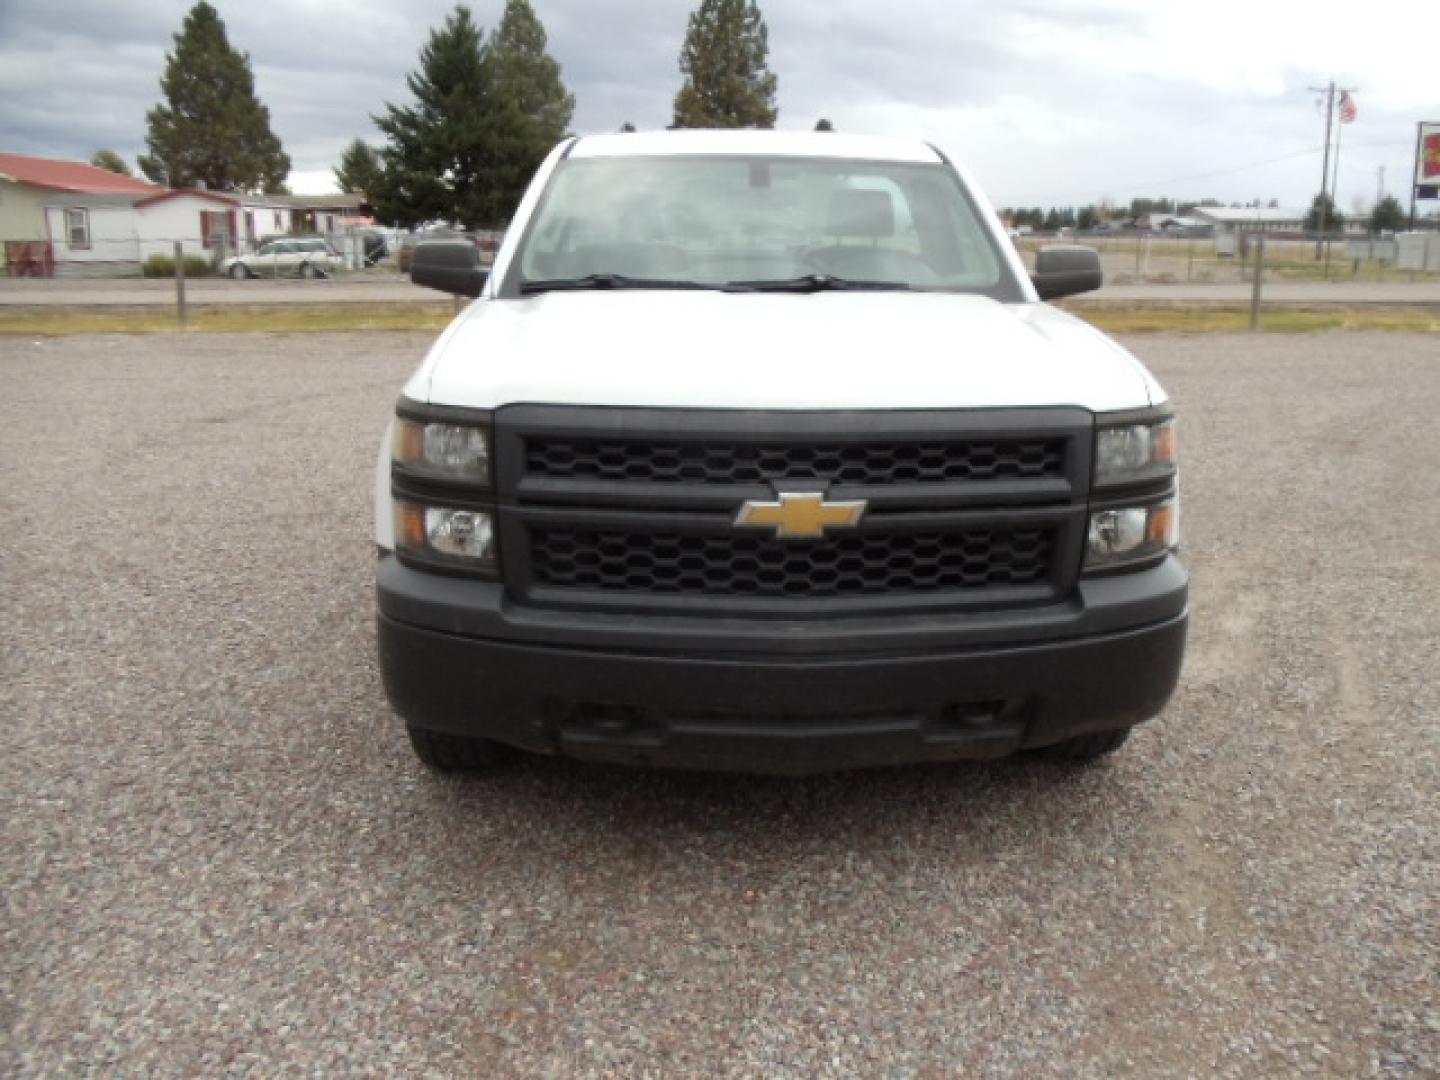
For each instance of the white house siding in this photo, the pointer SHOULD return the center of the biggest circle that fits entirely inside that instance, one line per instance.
(114, 243)
(123, 235)
(261, 220)
(176, 218)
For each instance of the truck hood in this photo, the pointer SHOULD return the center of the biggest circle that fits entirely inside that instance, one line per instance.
(829, 350)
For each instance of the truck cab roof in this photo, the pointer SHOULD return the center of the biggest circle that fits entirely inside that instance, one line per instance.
(827, 144)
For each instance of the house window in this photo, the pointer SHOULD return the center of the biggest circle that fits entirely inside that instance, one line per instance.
(77, 226)
(215, 228)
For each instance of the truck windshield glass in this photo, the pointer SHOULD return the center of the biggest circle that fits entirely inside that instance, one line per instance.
(791, 224)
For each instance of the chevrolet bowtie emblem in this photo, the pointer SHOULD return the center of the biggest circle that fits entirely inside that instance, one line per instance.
(799, 515)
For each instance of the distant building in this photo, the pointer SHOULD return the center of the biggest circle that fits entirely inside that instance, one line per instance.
(50, 209)
(67, 217)
(309, 213)
(1158, 222)
(1249, 218)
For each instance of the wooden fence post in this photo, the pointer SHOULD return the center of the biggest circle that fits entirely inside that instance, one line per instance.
(180, 310)
(1259, 271)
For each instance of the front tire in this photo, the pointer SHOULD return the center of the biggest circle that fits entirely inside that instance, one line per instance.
(238, 272)
(1084, 748)
(307, 270)
(453, 753)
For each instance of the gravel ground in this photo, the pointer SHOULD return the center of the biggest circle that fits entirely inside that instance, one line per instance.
(221, 859)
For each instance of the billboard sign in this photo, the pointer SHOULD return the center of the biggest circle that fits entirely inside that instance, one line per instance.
(1427, 162)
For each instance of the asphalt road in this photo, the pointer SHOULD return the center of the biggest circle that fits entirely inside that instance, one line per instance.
(221, 859)
(388, 289)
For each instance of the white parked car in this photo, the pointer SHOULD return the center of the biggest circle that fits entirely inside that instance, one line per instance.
(301, 257)
(763, 451)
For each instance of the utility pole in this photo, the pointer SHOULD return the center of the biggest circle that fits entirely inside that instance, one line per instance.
(1329, 92)
(1335, 180)
(1415, 176)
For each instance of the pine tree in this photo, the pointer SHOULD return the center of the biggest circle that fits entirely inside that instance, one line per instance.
(532, 108)
(485, 115)
(1388, 215)
(727, 83)
(212, 130)
(435, 154)
(358, 170)
(824, 125)
(1334, 220)
(106, 158)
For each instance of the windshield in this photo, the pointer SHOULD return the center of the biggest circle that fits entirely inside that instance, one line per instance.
(757, 223)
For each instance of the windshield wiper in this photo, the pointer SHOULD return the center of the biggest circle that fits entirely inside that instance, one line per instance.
(816, 283)
(604, 281)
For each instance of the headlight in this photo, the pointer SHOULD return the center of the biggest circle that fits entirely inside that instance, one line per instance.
(1134, 452)
(463, 538)
(442, 451)
(1131, 534)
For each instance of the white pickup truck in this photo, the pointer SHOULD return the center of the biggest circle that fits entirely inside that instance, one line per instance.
(761, 451)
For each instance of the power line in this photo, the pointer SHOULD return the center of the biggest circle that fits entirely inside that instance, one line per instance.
(1235, 169)
(1156, 184)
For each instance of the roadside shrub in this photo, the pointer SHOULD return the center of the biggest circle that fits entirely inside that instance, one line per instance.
(163, 266)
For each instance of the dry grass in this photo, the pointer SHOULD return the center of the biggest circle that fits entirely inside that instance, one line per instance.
(229, 319)
(435, 316)
(1273, 319)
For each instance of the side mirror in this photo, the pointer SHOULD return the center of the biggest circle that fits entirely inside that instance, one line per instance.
(451, 266)
(1065, 270)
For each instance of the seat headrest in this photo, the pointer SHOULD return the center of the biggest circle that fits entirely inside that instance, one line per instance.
(861, 213)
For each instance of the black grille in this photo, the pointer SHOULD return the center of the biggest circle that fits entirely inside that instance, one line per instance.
(853, 564)
(750, 463)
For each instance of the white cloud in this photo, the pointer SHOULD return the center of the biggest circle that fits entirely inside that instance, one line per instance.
(1048, 101)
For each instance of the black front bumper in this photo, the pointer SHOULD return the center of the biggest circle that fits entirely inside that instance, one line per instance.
(776, 695)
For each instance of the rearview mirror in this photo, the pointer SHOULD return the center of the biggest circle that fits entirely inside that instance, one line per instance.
(1064, 270)
(451, 266)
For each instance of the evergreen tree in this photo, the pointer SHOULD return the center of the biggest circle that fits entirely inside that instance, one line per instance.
(212, 130)
(727, 83)
(824, 125)
(1334, 220)
(627, 128)
(1388, 216)
(358, 170)
(432, 165)
(531, 110)
(485, 115)
(108, 159)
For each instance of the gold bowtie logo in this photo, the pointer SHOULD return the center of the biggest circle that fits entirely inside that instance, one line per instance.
(801, 515)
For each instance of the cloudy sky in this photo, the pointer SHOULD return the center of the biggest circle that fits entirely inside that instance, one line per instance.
(1048, 101)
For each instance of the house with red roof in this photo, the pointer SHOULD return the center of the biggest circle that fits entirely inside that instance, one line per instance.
(47, 204)
(67, 217)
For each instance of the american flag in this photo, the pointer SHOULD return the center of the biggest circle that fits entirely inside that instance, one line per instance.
(1348, 110)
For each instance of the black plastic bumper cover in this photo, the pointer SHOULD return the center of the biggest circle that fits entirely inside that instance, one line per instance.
(777, 696)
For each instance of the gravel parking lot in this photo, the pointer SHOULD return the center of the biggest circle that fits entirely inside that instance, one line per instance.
(220, 858)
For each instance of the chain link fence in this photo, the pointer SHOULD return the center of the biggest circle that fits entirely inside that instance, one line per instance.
(1164, 259)
(1128, 258)
(135, 257)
